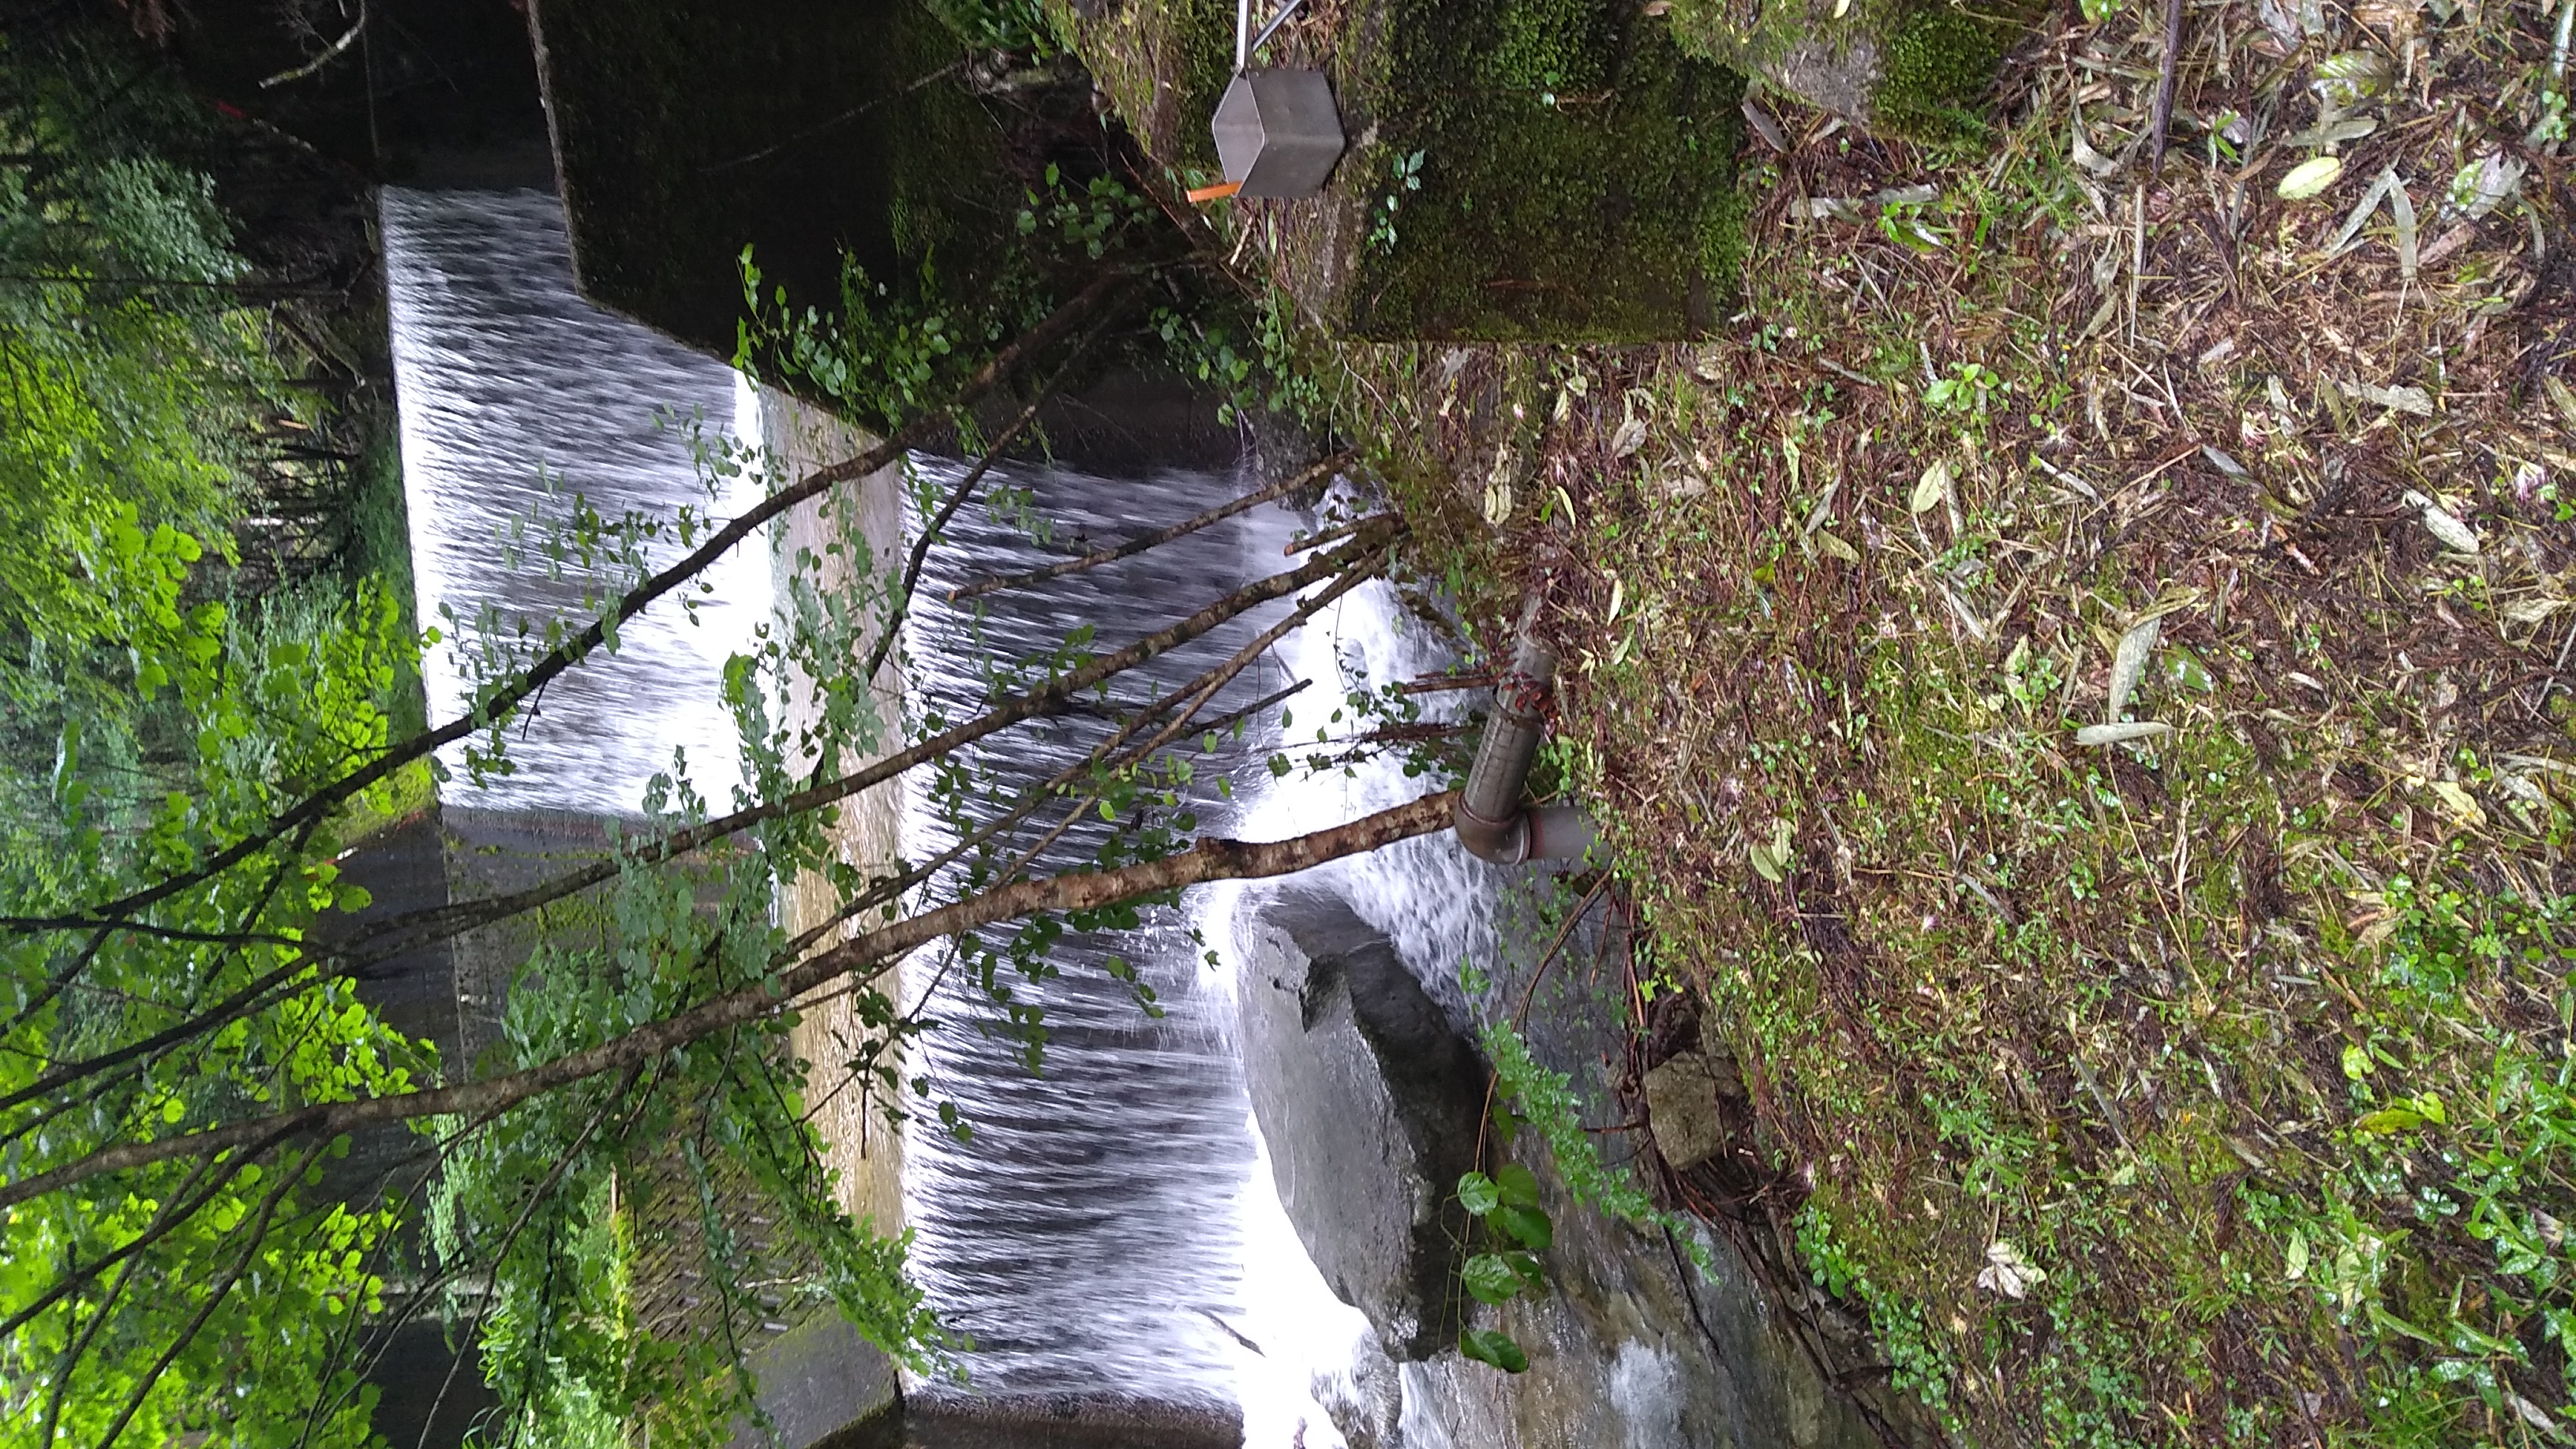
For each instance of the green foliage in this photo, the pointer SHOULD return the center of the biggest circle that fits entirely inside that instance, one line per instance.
(127, 376)
(1513, 1229)
(713, 1125)
(2436, 1242)
(1404, 173)
(1545, 1100)
(1916, 1357)
(1940, 62)
(1014, 26)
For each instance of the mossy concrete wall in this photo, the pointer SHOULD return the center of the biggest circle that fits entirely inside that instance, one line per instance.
(1576, 179)
(685, 130)
(1917, 66)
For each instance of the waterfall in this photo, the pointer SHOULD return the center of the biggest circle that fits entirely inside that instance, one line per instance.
(515, 396)
(1109, 1236)
(1084, 1236)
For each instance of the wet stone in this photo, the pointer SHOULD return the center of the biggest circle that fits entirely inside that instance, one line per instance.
(1370, 1105)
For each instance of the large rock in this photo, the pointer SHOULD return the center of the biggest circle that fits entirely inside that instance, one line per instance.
(1370, 1105)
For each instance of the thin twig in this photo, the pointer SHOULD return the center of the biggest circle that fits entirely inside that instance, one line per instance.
(338, 48)
(1212, 859)
(852, 114)
(1218, 514)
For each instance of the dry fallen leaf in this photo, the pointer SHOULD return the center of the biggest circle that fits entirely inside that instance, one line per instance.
(2444, 525)
(2310, 177)
(1629, 438)
(1932, 487)
(2460, 803)
(2559, 397)
(2121, 734)
(2414, 401)
(2007, 1273)
(2129, 663)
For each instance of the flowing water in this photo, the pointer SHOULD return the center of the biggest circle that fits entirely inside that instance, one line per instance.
(1084, 1235)
(1109, 1234)
(517, 397)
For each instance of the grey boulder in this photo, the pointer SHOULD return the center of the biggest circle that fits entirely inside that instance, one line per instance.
(1370, 1105)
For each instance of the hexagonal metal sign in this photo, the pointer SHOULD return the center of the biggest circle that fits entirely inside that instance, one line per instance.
(1278, 132)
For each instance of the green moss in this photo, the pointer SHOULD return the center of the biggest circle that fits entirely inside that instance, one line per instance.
(1577, 169)
(687, 129)
(1939, 65)
(1916, 67)
(1551, 46)
(1547, 212)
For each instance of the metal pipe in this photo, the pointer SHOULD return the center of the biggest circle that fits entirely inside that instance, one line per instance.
(1490, 819)
(1242, 35)
(1271, 29)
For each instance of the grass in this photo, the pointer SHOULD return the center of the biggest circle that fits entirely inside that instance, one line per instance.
(2211, 1086)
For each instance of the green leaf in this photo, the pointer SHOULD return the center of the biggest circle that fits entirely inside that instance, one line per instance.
(1488, 1346)
(2388, 1120)
(1532, 1276)
(1476, 1191)
(354, 898)
(1528, 1224)
(1490, 1278)
(1518, 1186)
(1763, 864)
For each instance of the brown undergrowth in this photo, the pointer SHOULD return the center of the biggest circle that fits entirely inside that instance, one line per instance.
(2191, 1064)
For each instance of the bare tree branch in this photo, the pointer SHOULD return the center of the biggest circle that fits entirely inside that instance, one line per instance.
(440, 922)
(1212, 859)
(1133, 547)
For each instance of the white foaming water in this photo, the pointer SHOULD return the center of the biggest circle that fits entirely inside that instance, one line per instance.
(517, 395)
(1437, 904)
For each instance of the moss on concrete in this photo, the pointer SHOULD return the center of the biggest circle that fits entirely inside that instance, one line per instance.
(687, 129)
(1913, 66)
(1576, 177)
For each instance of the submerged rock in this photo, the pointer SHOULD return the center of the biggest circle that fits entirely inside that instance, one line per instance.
(1370, 1105)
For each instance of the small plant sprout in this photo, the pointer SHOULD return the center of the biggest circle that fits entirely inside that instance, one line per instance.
(1405, 174)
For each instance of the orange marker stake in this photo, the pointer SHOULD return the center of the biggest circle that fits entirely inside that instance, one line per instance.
(1218, 192)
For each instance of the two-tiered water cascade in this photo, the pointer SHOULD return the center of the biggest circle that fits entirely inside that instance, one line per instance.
(1110, 1235)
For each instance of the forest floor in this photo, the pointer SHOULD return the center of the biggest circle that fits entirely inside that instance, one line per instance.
(2078, 678)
